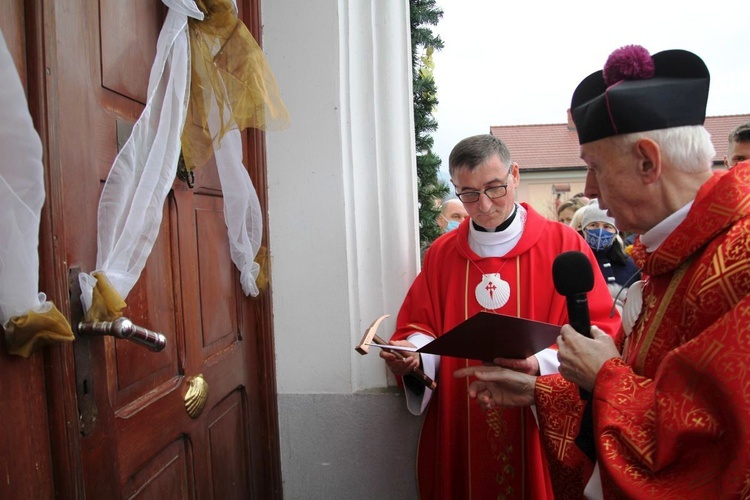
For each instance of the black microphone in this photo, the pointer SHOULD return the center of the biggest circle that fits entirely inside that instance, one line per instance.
(573, 278)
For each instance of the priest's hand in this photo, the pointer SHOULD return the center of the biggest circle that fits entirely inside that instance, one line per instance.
(529, 366)
(581, 357)
(401, 365)
(497, 386)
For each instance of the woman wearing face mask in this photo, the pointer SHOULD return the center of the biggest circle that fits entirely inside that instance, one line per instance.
(618, 268)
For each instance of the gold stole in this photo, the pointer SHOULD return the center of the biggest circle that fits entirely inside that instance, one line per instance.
(636, 350)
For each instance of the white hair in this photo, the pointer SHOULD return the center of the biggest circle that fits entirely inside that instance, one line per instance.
(688, 148)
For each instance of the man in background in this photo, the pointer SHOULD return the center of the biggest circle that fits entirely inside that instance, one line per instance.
(739, 146)
(452, 213)
(669, 401)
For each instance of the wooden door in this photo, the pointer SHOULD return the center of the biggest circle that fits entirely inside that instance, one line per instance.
(26, 443)
(118, 419)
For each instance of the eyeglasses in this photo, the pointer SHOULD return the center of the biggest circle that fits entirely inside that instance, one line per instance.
(492, 193)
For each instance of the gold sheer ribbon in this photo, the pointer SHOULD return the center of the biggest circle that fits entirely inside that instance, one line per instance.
(226, 65)
(30, 332)
(106, 302)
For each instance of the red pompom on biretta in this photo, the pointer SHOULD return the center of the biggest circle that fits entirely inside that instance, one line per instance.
(631, 62)
(639, 92)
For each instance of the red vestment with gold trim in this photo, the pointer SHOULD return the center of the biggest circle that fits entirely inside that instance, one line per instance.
(672, 416)
(465, 452)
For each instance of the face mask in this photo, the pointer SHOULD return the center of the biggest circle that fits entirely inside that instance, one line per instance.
(452, 224)
(599, 239)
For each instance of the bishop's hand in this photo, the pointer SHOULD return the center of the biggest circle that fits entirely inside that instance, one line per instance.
(497, 386)
(581, 357)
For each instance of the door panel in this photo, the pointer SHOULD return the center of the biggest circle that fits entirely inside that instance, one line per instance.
(153, 304)
(216, 276)
(227, 445)
(164, 476)
(129, 31)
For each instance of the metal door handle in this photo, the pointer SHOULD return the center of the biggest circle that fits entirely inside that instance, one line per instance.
(123, 328)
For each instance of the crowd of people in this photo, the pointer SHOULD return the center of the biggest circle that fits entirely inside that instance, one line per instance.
(652, 403)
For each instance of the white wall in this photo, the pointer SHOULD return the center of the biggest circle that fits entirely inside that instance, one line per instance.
(307, 216)
(343, 240)
(342, 188)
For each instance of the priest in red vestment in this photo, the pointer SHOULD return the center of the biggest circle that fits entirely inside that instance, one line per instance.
(498, 260)
(670, 406)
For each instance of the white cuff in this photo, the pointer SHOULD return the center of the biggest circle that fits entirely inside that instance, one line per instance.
(430, 365)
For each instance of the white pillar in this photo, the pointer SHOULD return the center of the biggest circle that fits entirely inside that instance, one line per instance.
(342, 187)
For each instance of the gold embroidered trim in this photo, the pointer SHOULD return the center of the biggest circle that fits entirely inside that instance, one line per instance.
(466, 393)
(648, 340)
(518, 286)
(422, 330)
(466, 291)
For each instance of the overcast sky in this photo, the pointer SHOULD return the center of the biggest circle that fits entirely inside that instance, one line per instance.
(517, 62)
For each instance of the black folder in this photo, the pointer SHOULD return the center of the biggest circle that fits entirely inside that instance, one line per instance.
(486, 336)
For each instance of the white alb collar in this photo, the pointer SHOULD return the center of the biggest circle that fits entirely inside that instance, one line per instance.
(497, 244)
(654, 237)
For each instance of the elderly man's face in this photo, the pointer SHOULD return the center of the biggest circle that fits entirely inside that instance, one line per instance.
(612, 177)
(488, 213)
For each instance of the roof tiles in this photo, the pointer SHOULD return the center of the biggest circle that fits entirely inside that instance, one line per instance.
(555, 146)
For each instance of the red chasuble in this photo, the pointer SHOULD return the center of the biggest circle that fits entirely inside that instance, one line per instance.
(672, 417)
(464, 451)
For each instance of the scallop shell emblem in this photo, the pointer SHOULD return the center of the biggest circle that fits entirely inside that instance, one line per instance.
(196, 396)
(493, 292)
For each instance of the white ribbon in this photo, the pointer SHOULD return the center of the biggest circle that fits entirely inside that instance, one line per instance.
(242, 213)
(21, 197)
(131, 204)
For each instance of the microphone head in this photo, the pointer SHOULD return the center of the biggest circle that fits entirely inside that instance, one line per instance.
(572, 273)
